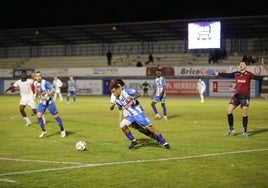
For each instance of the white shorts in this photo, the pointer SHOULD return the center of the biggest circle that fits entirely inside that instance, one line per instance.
(57, 90)
(28, 100)
(124, 123)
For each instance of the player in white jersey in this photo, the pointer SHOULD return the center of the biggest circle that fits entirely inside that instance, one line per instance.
(201, 88)
(57, 84)
(126, 100)
(27, 98)
(159, 94)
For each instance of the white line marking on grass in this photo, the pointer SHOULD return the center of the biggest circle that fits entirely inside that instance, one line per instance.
(38, 161)
(127, 162)
(7, 180)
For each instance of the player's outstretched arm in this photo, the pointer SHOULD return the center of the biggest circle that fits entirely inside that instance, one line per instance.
(10, 88)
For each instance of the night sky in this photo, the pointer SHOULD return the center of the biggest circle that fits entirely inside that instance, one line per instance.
(38, 13)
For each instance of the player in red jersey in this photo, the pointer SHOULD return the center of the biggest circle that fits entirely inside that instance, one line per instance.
(241, 96)
(33, 78)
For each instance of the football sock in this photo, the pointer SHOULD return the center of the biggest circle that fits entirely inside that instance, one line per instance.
(59, 122)
(230, 120)
(165, 111)
(41, 123)
(161, 139)
(130, 136)
(245, 123)
(154, 109)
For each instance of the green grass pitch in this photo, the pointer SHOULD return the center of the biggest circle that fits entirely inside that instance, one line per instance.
(200, 155)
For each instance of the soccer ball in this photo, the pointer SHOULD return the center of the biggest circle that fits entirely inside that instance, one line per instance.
(81, 145)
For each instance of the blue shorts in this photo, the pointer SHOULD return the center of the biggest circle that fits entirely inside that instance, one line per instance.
(158, 99)
(140, 119)
(69, 93)
(50, 105)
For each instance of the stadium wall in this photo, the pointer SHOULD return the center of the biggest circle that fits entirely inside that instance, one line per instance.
(181, 80)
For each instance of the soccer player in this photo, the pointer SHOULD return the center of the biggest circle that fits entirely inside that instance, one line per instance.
(126, 99)
(266, 69)
(33, 89)
(201, 88)
(71, 91)
(27, 97)
(57, 84)
(159, 94)
(33, 78)
(44, 90)
(113, 97)
(134, 125)
(241, 97)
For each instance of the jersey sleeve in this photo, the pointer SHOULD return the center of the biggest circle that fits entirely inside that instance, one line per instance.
(16, 84)
(48, 85)
(164, 82)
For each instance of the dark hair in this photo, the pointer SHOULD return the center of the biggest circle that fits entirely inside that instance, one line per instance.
(120, 81)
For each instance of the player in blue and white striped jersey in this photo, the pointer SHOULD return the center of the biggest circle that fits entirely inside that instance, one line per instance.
(159, 94)
(134, 125)
(44, 89)
(126, 100)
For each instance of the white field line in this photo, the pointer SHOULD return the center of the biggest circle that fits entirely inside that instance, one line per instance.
(80, 165)
(7, 180)
(38, 161)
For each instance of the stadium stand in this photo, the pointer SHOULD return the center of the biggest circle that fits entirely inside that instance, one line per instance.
(180, 59)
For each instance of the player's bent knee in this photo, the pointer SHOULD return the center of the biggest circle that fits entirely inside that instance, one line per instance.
(124, 123)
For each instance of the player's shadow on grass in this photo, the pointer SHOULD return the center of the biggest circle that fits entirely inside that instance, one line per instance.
(50, 133)
(147, 142)
(173, 116)
(259, 131)
(169, 117)
(252, 133)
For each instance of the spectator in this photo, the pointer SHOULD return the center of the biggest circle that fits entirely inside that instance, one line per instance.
(245, 59)
(139, 64)
(109, 56)
(145, 87)
(223, 53)
(250, 60)
(150, 59)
